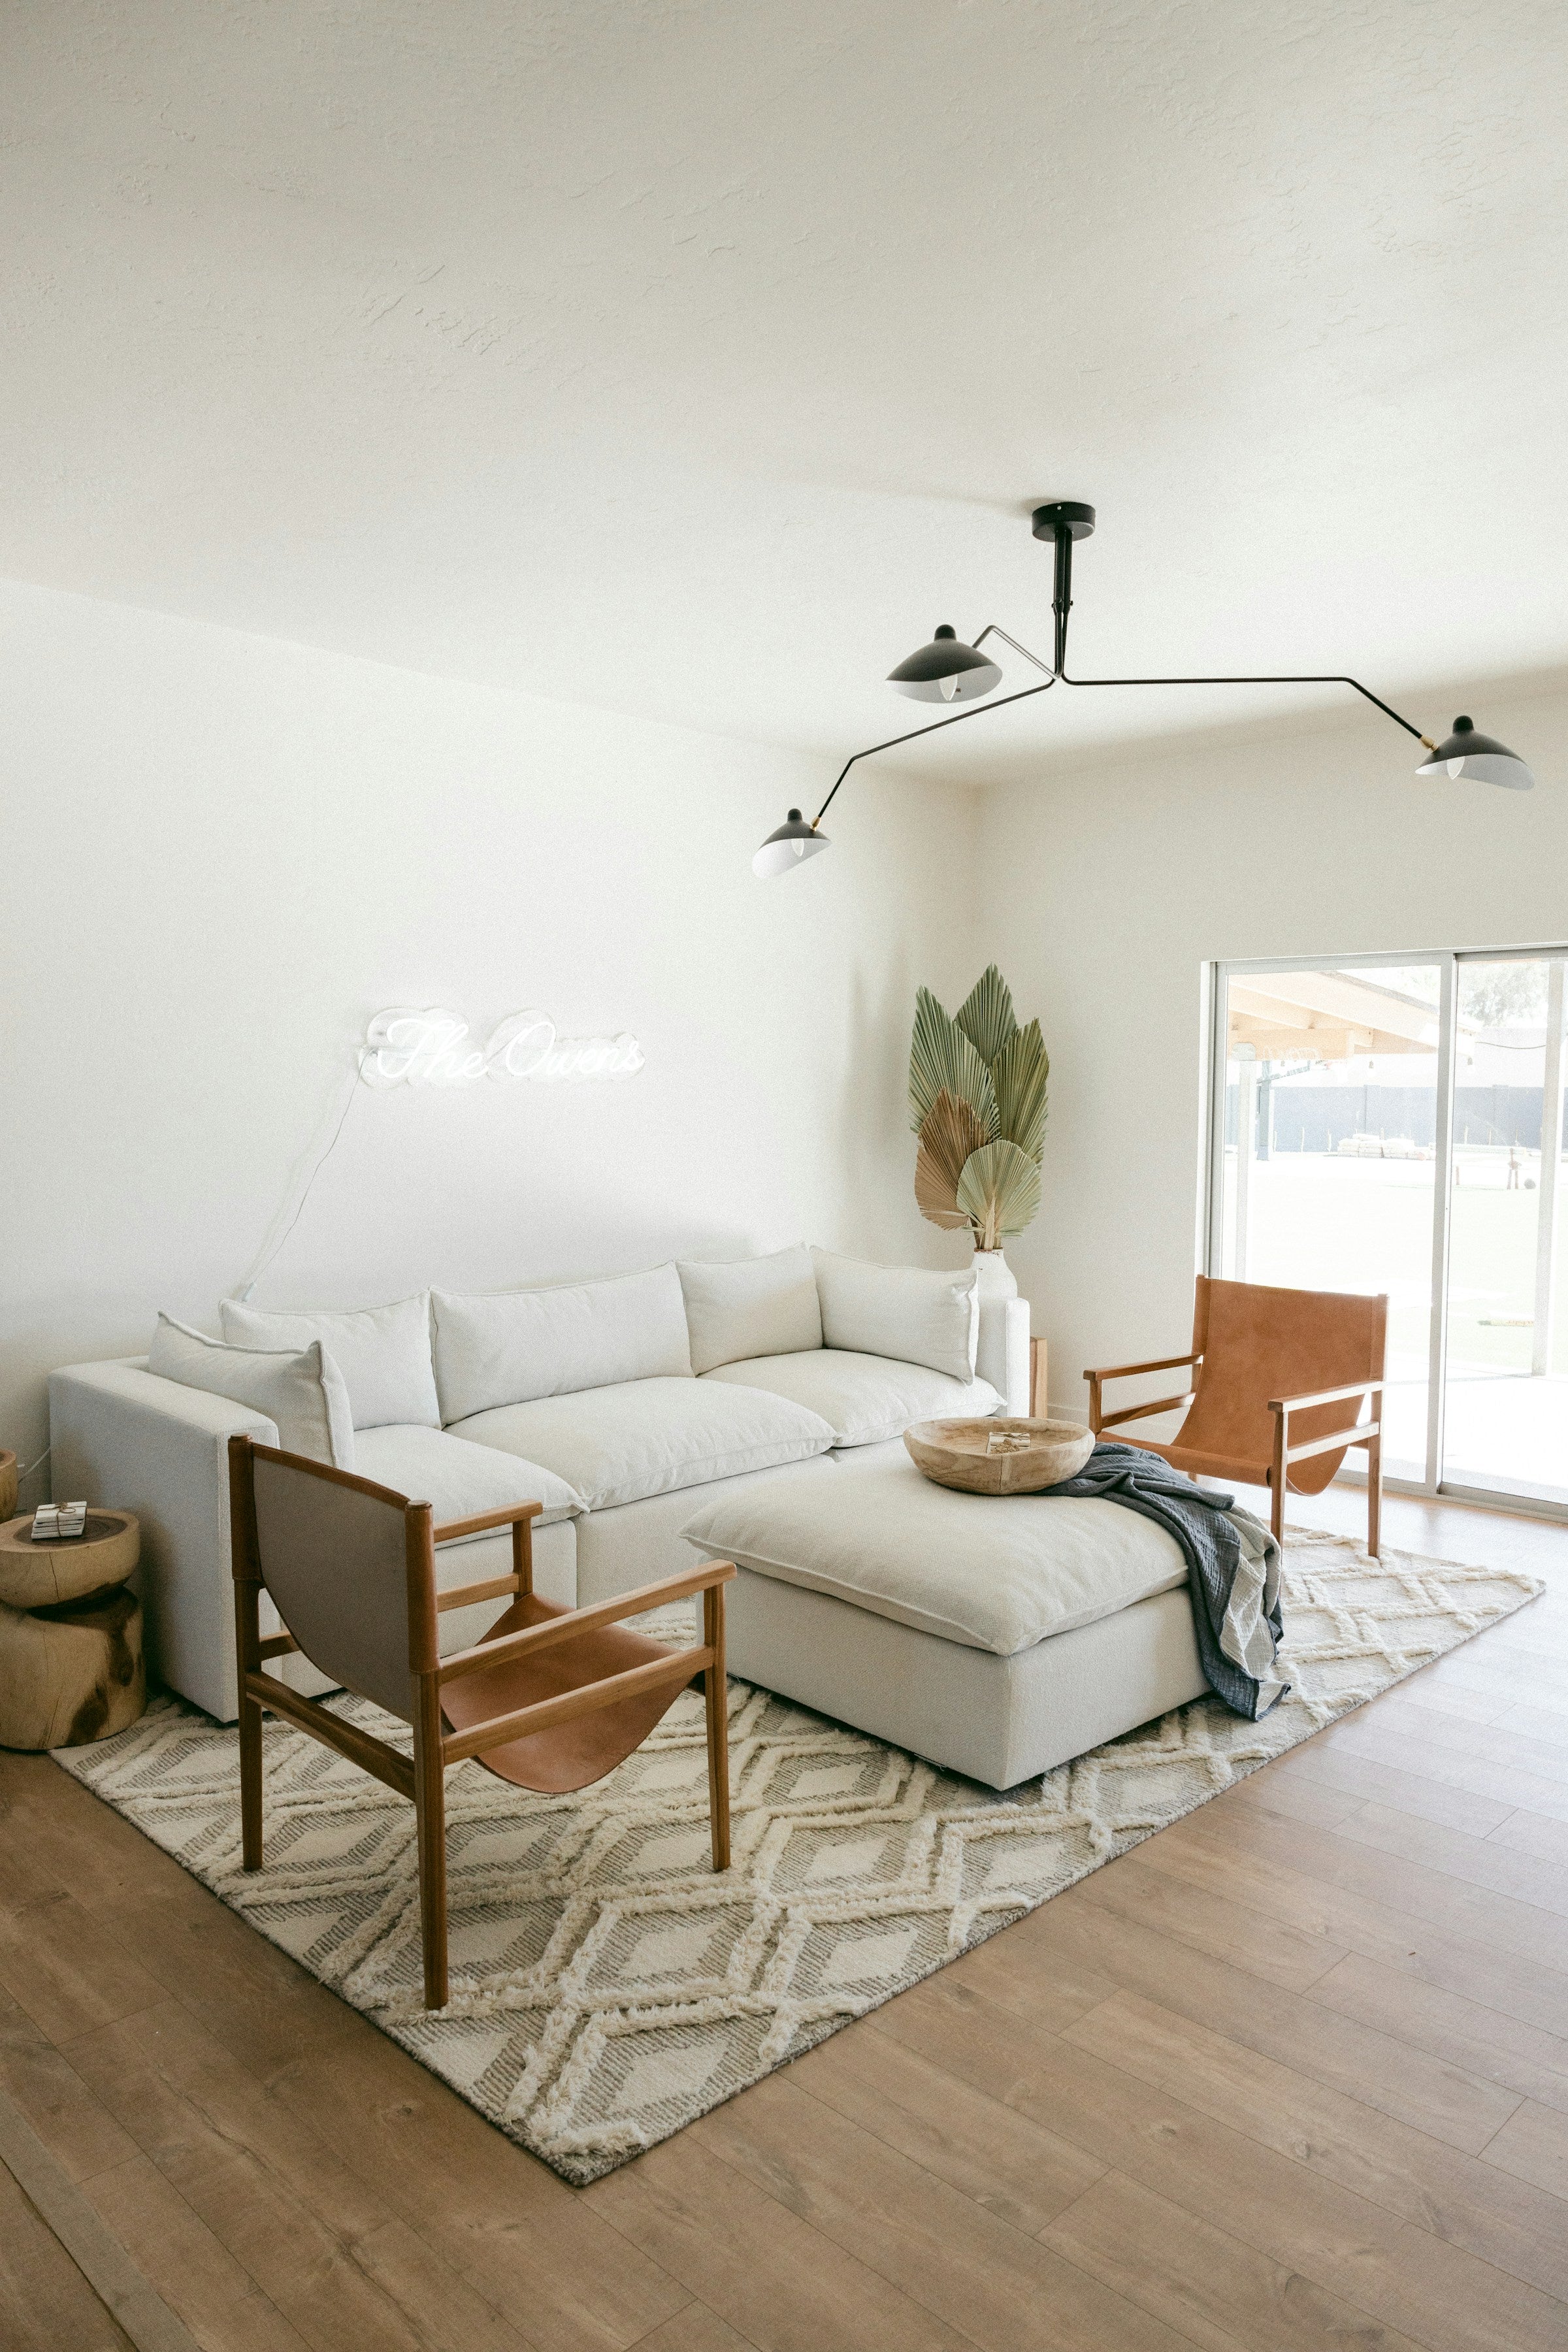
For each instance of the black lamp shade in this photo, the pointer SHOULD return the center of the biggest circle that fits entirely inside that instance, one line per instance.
(945, 671)
(793, 842)
(1480, 758)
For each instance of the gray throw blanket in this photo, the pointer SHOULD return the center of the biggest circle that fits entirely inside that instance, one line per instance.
(1233, 1567)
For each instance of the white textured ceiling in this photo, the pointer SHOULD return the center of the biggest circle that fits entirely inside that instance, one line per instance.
(696, 357)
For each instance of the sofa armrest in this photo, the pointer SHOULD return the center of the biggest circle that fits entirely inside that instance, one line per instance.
(121, 1436)
(1002, 1355)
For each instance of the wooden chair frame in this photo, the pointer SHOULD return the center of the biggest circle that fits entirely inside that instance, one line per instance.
(1367, 1433)
(423, 1779)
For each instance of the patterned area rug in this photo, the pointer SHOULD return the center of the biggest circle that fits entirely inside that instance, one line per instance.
(608, 1990)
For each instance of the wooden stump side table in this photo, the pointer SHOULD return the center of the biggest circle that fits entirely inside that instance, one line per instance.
(71, 1669)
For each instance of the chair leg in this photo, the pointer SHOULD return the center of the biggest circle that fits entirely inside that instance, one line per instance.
(715, 1688)
(1374, 1499)
(250, 1782)
(247, 1640)
(430, 1817)
(1278, 1478)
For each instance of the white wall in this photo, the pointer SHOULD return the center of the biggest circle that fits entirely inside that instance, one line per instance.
(222, 854)
(1105, 889)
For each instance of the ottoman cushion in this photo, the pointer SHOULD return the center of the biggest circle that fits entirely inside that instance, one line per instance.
(994, 1573)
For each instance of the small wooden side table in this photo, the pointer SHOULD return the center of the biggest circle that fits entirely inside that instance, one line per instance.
(71, 1669)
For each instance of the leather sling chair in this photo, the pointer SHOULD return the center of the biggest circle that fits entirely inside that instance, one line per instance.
(1274, 1373)
(551, 1700)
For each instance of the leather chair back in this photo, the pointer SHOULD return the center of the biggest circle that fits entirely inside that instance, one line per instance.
(334, 1552)
(1259, 1342)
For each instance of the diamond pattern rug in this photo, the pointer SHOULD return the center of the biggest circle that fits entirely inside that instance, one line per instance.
(607, 1988)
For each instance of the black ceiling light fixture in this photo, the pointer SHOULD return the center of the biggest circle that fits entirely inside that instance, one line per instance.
(947, 670)
(1480, 758)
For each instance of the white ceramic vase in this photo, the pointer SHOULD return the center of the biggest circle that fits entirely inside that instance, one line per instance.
(996, 1283)
(997, 1279)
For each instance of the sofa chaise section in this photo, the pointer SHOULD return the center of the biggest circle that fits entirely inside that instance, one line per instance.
(995, 1635)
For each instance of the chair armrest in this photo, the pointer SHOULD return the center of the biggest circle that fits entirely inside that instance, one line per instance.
(1144, 1412)
(1098, 1419)
(1125, 1371)
(477, 1526)
(1360, 1432)
(584, 1621)
(1326, 1396)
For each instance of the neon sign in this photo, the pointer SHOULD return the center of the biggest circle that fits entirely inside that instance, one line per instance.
(407, 1046)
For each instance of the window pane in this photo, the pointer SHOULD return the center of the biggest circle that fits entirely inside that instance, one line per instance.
(1331, 1154)
(1506, 1416)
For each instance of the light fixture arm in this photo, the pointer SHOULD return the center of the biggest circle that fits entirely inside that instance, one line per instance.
(991, 629)
(977, 710)
(1061, 605)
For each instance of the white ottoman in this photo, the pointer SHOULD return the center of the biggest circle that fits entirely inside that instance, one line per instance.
(995, 1634)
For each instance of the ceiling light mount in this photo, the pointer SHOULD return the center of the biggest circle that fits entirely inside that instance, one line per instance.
(947, 670)
(1063, 514)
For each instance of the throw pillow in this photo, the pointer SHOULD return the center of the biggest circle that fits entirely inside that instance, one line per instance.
(301, 1391)
(901, 1311)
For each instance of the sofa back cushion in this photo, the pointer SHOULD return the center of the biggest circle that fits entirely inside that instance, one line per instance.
(300, 1390)
(383, 1353)
(901, 1311)
(510, 1347)
(752, 1306)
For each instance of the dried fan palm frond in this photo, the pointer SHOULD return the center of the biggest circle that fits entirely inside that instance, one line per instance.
(949, 1137)
(987, 1015)
(1019, 1073)
(1000, 1188)
(941, 1056)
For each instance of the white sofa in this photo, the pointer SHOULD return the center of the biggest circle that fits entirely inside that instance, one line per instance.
(608, 1402)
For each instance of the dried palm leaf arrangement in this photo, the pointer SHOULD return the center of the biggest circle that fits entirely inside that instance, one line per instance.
(977, 1102)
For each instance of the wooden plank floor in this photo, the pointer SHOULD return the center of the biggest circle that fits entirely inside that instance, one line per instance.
(1292, 2074)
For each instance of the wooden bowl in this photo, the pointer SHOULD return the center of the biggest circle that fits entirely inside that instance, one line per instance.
(955, 1453)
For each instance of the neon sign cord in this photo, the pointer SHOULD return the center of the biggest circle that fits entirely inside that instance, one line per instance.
(259, 1268)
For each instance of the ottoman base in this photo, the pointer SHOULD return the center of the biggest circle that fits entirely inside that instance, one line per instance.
(998, 1720)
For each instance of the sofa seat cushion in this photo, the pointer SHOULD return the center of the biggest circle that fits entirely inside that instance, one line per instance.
(996, 1573)
(648, 1437)
(460, 1480)
(864, 1400)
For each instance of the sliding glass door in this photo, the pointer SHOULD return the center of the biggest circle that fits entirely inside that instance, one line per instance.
(1505, 1423)
(1395, 1124)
